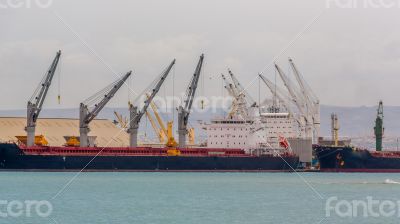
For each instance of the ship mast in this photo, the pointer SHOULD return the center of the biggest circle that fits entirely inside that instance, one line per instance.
(379, 129)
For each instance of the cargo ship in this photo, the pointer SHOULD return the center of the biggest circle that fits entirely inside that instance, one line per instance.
(350, 159)
(15, 157)
(344, 158)
(238, 142)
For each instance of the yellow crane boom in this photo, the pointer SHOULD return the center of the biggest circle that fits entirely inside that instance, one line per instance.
(158, 117)
(123, 122)
(191, 136)
(160, 134)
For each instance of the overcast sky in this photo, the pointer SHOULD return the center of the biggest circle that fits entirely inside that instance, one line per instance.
(350, 57)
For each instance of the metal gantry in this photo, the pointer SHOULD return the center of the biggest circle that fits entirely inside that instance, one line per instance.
(136, 115)
(36, 101)
(184, 109)
(98, 101)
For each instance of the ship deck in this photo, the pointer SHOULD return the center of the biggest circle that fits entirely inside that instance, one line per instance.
(134, 151)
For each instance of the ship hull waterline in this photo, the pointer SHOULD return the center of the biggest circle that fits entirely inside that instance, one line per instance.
(349, 160)
(12, 159)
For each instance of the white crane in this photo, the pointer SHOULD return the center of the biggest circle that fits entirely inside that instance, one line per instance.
(283, 97)
(36, 101)
(99, 101)
(231, 91)
(241, 90)
(239, 106)
(298, 99)
(242, 99)
(311, 100)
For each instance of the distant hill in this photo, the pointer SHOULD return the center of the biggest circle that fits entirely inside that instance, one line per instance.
(360, 121)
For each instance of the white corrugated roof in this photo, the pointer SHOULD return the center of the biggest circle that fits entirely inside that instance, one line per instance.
(54, 130)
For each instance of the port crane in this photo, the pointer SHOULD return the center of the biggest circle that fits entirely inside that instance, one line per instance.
(379, 129)
(163, 132)
(235, 102)
(311, 100)
(282, 97)
(241, 98)
(136, 115)
(99, 100)
(159, 127)
(278, 93)
(297, 99)
(184, 110)
(159, 132)
(35, 103)
(241, 90)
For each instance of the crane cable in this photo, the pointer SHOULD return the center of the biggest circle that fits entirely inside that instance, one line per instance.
(59, 82)
(202, 91)
(173, 94)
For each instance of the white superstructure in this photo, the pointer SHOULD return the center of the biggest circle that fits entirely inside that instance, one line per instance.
(280, 124)
(228, 133)
(247, 134)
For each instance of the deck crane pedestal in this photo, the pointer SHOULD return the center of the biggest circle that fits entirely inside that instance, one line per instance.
(184, 110)
(136, 115)
(86, 115)
(36, 102)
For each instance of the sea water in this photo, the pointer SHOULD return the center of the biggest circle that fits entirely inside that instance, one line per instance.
(185, 198)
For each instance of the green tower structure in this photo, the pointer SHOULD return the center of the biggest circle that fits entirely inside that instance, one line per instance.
(379, 129)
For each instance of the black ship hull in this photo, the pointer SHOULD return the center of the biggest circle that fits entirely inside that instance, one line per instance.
(347, 159)
(12, 158)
